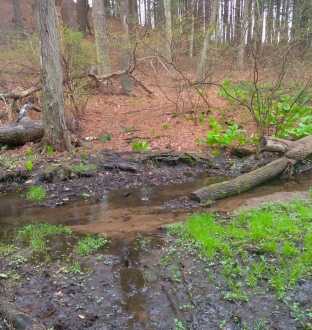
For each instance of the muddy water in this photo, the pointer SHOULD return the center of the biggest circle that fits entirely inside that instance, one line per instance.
(122, 214)
(125, 212)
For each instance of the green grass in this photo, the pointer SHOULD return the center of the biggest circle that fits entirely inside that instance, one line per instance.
(272, 242)
(36, 193)
(90, 243)
(36, 235)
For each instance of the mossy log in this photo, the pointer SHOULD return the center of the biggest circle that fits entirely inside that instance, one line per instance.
(292, 153)
(16, 317)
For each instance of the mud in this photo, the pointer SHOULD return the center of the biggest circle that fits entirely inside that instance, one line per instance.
(127, 285)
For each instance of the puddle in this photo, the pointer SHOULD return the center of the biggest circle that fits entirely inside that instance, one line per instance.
(126, 212)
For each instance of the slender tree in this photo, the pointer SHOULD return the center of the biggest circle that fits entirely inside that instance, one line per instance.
(168, 43)
(17, 15)
(243, 33)
(55, 131)
(124, 15)
(69, 16)
(82, 7)
(101, 41)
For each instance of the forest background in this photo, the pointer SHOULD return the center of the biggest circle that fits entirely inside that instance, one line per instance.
(166, 71)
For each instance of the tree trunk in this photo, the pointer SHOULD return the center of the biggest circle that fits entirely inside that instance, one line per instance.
(22, 132)
(168, 41)
(124, 14)
(101, 41)
(244, 26)
(56, 134)
(82, 16)
(16, 317)
(292, 153)
(17, 15)
(69, 16)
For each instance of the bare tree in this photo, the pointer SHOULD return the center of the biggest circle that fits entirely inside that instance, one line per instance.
(56, 134)
(69, 16)
(17, 14)
(124, 14)
(101, 41)
(82, 16)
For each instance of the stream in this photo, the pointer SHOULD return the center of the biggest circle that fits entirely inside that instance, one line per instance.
(132, 297)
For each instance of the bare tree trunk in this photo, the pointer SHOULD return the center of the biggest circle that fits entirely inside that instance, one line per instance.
(209, 32)
(101, 41)
(82, 16)
(69, 16)
(124, 14)
(55, 131)
(17, 15)
(168, 40)
(244, 26)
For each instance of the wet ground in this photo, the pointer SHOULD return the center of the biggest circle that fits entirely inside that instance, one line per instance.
(127, 285)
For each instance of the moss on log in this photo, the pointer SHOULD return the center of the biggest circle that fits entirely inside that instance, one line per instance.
(293, 152)
(240, 184)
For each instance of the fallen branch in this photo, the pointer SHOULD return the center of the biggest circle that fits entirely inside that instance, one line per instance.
(17, 317)
(21, 94)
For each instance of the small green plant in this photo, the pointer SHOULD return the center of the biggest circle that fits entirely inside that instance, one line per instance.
(105, 138)
(3, 148)
(224, 138)
(74, 152)
(142, 146)
(84, 155)
(49, 150)
(201, 117)
(178, 325)
(28, 152)
(90, 243)
(29, 165)
(36, 193)
(127, 128)
(165, 126)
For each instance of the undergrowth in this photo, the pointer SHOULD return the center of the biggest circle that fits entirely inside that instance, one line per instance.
(269, 246)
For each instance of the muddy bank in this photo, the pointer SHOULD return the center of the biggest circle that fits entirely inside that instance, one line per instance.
(68, 177)
(146, 283)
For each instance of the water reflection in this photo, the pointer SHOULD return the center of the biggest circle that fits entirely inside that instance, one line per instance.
(126, 211)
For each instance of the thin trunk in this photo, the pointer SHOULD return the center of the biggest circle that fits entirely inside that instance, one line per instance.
(243, 33)
(168, 41)
(191, 11)
(101, 41)
(17, 15)
(69, 17)
(124, 14)
(82, 16)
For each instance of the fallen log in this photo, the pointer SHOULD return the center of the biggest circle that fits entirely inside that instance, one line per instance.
(17, 317)
(27, 130)
(22, 132)
(293, 151)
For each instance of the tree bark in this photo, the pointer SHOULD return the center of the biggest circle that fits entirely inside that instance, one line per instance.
(292, 153)
(56, 134)
(17, 317)
(101, 41)
(22, 132)
(17, 15)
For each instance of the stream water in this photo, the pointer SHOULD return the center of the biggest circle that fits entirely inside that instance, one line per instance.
(125, 212)
(138, 299)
